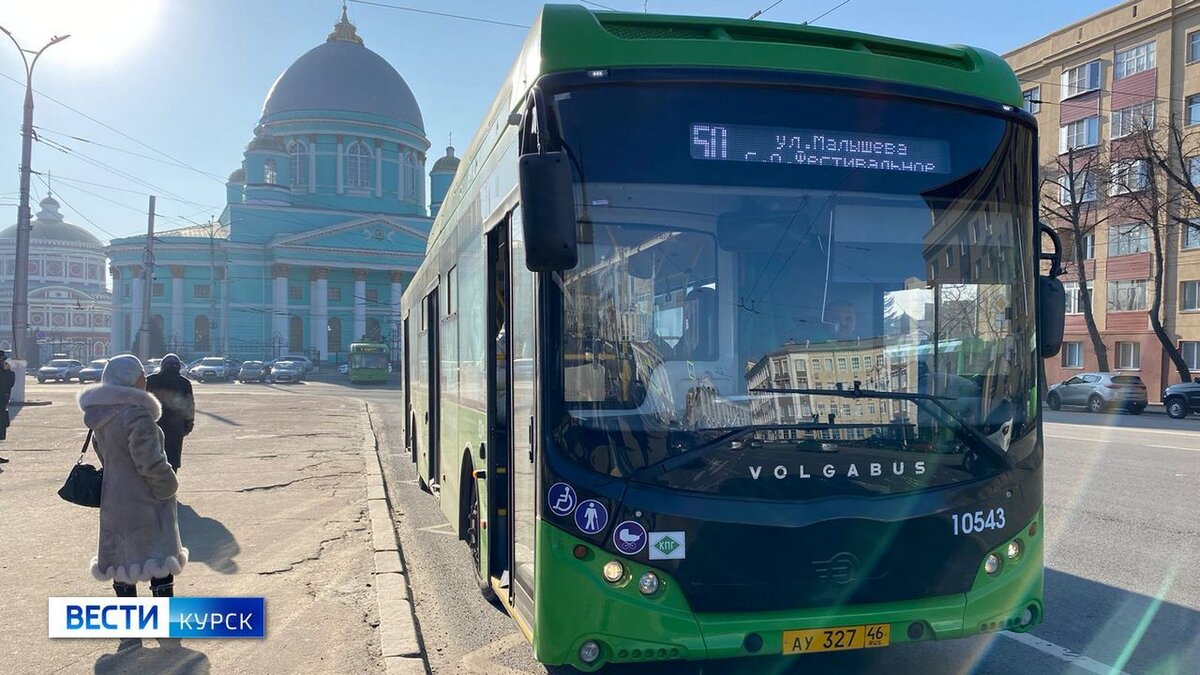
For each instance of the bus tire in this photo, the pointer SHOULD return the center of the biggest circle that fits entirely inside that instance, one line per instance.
(1053, 401)
(472, 530)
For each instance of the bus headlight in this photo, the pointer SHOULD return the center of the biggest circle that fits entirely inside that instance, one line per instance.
(613, 571)
(991, 564)
(1014, 549)
(589, 651)
(648, 584)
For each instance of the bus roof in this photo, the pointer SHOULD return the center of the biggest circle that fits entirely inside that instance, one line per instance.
(574, 38)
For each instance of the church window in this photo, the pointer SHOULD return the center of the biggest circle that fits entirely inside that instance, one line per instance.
(410, 175)
(299, 154)
(358, 166)
(295, 292)
(270, 174)
(335, 294)
(156, 290)
(372, 295)
(201, 291)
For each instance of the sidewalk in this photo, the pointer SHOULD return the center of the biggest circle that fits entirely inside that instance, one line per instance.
(273, 503)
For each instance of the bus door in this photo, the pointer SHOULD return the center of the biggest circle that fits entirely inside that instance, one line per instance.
(498, 485)
(432, 449)
(522, 366)
(407, 379)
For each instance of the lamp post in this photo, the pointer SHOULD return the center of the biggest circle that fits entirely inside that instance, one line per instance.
(20, 323)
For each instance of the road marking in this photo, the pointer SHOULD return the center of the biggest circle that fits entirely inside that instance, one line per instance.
(482, 660)
(1063, 654)
(1172, 447)
(1109, 440)
(1138, 430)
(444, 528)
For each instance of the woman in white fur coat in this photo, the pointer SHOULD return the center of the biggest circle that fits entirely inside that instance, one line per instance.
(139, 528)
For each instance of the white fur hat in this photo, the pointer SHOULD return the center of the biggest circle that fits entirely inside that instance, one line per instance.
(122, 370)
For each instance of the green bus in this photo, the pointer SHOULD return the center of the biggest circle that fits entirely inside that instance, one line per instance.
(603, 385)
(368, 362)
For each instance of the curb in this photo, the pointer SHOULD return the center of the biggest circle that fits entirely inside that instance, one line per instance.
(398, 639)
(30, 404)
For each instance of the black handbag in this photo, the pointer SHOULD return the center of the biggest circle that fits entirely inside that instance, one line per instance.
(83, 483)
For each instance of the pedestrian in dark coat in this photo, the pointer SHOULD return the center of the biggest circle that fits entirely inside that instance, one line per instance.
(174, 392)
(8, 379)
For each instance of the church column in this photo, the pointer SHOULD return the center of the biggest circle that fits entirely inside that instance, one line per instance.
(360, 304)
(223, 276)
(118, 311)
(420, 169)
(397, 291)
(378, 169)
(319, 290)
(135, 307)
(279, 331)
(341, 165)
(177, 302)
(401, 171)
(312, 164)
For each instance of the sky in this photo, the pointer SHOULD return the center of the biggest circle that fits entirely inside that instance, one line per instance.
(161, 96)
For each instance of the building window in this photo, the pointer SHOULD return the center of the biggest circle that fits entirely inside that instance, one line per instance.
(1032, 100)
(1193, 47)
(270, 173)
(410, 175)
(298, 152)
(1084, 133)
(358, 166)
(829, 365)
(202, 332)
(1089, 246)
(1072, 355)
(1193, 109)
(1083, 185)
(372, 295)
(1133, 60)
(1130, 175)
(1191, 235)
(1074, 297)
(1134, 118)
(1128, 239)
(816, 365)
(156, 290)
(855, 363)
(1126, 296)
(1129, 355)
(1081, 79)
(841, 363)
(201, 291)
(1190, 351)
(335, 294)
(1189, 292)
(949, 258)
(800, 366)
(295, 292)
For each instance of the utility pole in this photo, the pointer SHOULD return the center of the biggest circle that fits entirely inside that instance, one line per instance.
(20, 315)
(147, 286)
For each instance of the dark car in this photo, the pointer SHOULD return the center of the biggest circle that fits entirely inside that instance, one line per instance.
(252, 371)
(1181, 399)
(92, 371)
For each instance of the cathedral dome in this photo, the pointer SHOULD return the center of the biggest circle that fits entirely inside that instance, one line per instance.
(447, 164)
(342, 75)
(50, 226)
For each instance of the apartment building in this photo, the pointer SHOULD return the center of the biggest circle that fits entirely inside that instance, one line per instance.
(1090, 85)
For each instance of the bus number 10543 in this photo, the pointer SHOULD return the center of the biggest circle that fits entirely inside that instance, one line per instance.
(967, 523)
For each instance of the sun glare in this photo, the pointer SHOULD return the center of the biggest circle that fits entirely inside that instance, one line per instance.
(102, 31)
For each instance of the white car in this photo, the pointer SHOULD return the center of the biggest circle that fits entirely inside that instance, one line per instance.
(305, 362)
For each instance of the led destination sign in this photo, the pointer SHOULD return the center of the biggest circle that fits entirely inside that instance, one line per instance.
(850, 150)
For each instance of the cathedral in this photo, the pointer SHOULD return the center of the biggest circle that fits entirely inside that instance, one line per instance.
(325, 221)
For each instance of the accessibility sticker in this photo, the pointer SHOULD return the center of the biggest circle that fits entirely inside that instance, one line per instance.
(629, 537)
(591, 516)
(667, 546)
(561, 499)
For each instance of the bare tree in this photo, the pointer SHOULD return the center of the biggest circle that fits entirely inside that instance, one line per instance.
(1158, 200)
(1072, 203)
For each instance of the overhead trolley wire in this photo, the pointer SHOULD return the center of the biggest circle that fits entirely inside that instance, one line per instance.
(430, 12)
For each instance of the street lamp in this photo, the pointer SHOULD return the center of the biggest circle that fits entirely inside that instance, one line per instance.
(20, 323)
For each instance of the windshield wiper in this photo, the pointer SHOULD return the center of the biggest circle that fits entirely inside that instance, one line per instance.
(734, 433)
(968, 432)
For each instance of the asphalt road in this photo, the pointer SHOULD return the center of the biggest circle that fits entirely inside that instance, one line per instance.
(1122, 592)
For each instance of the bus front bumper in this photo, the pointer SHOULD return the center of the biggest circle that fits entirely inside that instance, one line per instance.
(576, 606)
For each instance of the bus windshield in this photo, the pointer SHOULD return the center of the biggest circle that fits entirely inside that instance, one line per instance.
(377, 360)
(795, 294)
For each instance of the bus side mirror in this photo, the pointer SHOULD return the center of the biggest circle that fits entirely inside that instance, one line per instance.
(1052, 314)
(1052, 299)
(548, 212)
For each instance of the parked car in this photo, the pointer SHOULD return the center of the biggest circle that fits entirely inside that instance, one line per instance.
(214, 368)
(61, 370)
(1181, 399)
(151, 366)
(295, 364)
(252, 371)
(92, 371)
(305, 362)
(287, 371)
(1099, 392)
(344, 368)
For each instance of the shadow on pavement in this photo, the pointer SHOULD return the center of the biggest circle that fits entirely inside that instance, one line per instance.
(174, 661)
(208, 541)
(219, 418)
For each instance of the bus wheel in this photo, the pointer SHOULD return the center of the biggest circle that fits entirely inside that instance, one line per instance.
(473, 536)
